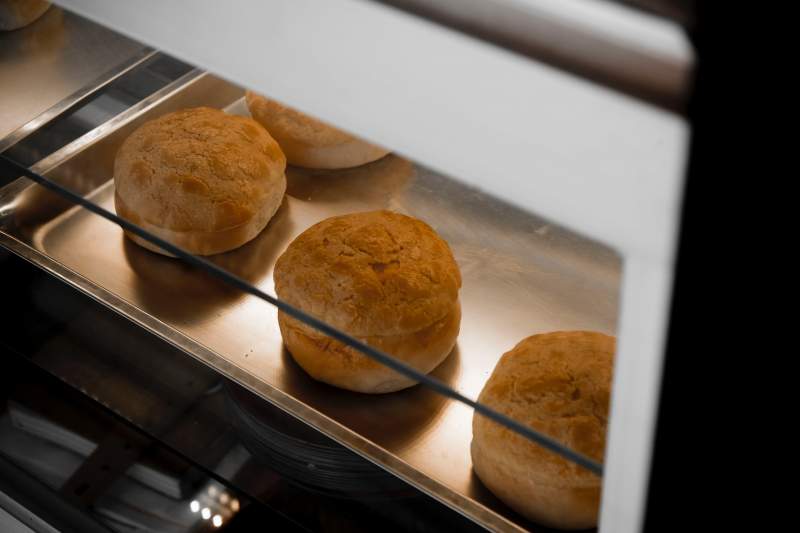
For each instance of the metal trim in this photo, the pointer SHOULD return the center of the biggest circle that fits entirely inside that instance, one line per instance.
(528, 27)
(77, 97)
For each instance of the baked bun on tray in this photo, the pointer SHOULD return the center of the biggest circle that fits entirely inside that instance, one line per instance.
(308, 142)
(558, 383)
(385, 278)
(199, 178)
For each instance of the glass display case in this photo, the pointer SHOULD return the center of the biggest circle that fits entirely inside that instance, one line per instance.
(544, 142)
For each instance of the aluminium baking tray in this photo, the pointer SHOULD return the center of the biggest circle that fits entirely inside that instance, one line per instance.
(521, 275)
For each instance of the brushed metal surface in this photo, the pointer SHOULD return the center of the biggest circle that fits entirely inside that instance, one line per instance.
(522, 275)
(50, 62)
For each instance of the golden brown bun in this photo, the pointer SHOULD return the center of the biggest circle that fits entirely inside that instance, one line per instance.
(337, 364)
(199, 178)
(385, 278)
(558, 383)
(15, 14)
(306, 141)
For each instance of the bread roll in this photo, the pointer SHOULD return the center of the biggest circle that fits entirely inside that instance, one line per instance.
(199, 178)
(306, 141)
(558, 383)
(385, 278)
(15, 14)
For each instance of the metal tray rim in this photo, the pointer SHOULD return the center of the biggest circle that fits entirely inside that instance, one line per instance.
(13, 137)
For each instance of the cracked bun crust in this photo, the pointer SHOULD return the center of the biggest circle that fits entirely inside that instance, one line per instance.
(199, 178)
(383, 277)
(308, 142)
(558, 383)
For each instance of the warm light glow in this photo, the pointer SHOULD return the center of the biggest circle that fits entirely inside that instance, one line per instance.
(194, 506)
(234, 505)
(217, 520)
(205, 513)
(212, 490)
(224, 498)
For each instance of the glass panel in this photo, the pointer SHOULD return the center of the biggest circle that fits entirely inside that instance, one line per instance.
(521, 275)
(227, 438)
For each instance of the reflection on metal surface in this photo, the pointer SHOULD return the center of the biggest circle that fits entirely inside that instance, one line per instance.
(306, 458)
(49, 63)
(97, 103)
(50, 432)
(521, 276)
(632, 52)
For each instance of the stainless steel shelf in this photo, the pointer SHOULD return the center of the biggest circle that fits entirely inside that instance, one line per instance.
(522, 275)
(48, 66)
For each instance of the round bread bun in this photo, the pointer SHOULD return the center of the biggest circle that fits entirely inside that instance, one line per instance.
(201, 179)
(306, 141)
(15, 14)
(558, 383)
(385, 278)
